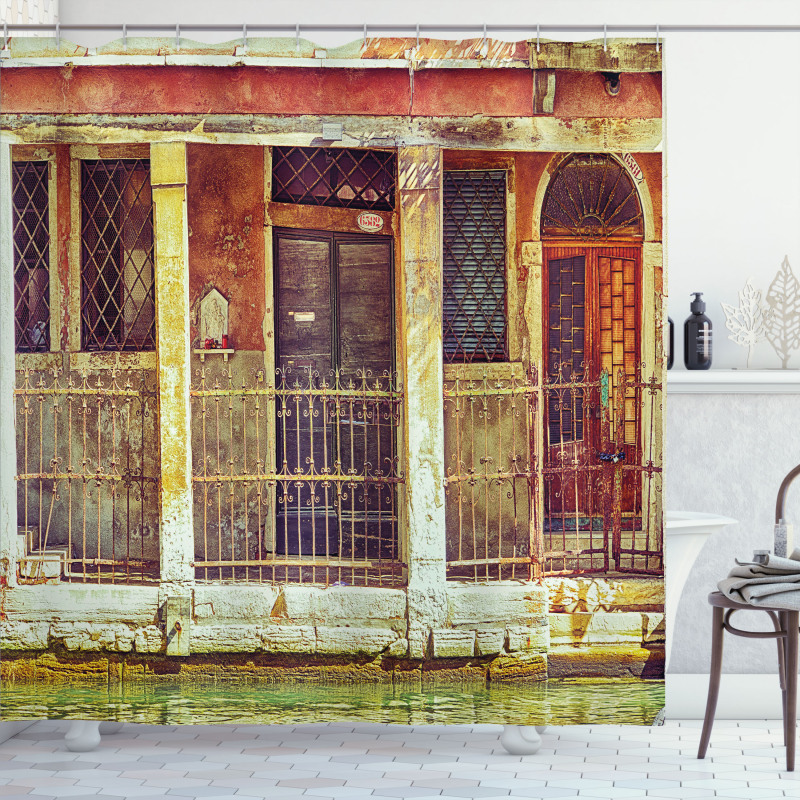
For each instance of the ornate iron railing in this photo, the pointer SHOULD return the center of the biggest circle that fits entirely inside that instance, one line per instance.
(553, 477)
(491, 474)
(88, 475)
(296, 482)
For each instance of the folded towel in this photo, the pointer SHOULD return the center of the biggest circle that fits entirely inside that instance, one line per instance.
(775, 583)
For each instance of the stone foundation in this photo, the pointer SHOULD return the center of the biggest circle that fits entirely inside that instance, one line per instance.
(107, 668)
(489, 632)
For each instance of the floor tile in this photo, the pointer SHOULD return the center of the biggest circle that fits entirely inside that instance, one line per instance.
(353, 760)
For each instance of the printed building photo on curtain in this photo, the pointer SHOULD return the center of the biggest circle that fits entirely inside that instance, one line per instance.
(338, 386)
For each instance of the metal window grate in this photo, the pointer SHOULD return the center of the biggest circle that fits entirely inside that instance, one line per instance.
(474, 312)
(618, 323)
(342, 177)
(31, 221)
(591, 196)
(117, 272)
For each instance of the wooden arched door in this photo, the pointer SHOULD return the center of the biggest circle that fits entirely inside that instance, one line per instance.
(592, 233)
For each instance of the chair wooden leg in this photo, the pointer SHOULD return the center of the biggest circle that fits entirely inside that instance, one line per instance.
(782, 625)
(790, 715)
(717, 632)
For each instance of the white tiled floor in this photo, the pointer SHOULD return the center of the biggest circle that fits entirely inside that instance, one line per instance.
(354, 760)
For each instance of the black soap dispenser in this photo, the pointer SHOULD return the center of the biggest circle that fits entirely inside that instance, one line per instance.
(697, 336)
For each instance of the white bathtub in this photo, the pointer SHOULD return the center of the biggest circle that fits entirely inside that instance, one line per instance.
(685, 534)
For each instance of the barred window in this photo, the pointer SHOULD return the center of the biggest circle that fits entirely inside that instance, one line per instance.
(474, 310)
(117, 272)
(325, 176)
(31, 221)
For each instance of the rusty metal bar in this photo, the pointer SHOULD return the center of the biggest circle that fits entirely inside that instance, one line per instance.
(412, 30)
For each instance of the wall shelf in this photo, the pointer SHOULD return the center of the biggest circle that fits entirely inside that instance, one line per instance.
(733, 381)
(214, 351)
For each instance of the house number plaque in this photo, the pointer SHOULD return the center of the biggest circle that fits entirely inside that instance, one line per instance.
(369, 222)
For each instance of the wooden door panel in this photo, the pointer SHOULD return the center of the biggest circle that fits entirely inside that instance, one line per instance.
(334, 312)
(303, 306)
(365, 306)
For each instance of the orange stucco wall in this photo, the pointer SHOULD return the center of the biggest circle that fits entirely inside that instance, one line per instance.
(226, 235)
(286, 90)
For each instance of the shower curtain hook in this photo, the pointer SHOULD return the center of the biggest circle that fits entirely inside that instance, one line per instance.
(605, 38)
(5, 36)
(244, 37)
(537, 37)
(125, 37)
(418, 35)
(658, 48)
(483, 43)
(58, 35)
(178, 36)
(297, 37)
(365, 34)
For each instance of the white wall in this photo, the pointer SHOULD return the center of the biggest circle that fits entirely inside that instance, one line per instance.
(733, 212)
(727, 454)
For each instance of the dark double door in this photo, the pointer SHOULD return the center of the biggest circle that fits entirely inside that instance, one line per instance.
(335, 324)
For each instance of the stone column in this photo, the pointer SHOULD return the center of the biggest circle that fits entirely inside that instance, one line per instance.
(421, 354)
(168, 180)
(8, 449)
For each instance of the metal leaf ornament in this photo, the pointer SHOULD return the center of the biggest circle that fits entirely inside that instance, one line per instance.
(783, 324)
(747, 322)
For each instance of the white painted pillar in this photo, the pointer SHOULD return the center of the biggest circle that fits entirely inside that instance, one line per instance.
(420, 174)
(8, 445)
(168, 180)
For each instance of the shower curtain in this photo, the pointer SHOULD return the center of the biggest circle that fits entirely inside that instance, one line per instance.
(336, 386)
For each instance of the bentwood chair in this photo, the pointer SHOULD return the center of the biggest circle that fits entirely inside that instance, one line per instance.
(785, 624)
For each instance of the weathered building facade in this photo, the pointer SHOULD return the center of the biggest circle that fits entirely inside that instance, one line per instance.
(342, 363)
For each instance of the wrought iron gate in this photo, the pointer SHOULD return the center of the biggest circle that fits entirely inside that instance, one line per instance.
(515, 511)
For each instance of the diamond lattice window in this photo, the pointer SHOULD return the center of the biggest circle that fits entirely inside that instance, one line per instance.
(322, 176)
(117, 274)
(31, 221)
(474, 311)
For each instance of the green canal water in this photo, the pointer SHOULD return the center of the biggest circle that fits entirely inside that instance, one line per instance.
(577, 701)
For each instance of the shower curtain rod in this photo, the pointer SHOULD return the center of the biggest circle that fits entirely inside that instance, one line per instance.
(416, 29)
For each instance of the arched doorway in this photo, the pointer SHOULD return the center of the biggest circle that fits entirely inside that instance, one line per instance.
(592, 230)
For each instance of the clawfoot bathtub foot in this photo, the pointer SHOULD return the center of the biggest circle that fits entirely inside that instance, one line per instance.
(521, 740)
(110, 727)
(82, 736)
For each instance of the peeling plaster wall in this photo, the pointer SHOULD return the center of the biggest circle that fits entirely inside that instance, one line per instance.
(583, 94)
(226, 238)
(492, 93)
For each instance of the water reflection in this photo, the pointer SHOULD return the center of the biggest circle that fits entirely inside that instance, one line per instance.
(576, 701)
